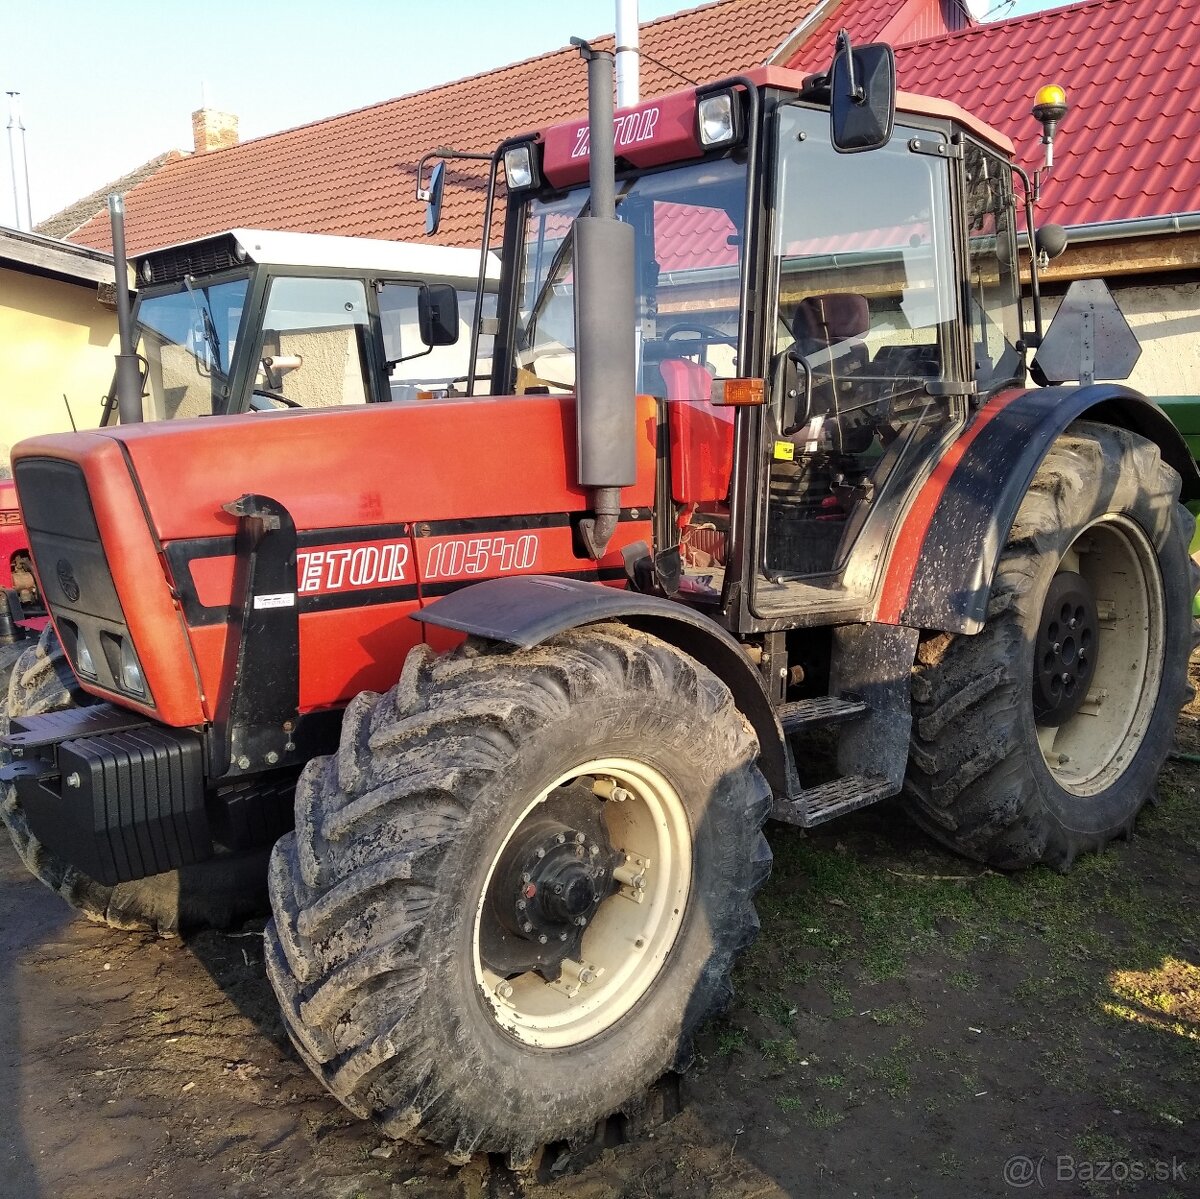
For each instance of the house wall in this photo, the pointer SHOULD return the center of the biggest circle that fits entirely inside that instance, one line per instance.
(57, 338)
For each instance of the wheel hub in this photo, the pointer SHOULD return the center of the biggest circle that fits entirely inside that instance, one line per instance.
(1065, 652)
(549, 883)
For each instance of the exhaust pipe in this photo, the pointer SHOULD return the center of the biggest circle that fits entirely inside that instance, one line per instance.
(604, 323)
(127, 382)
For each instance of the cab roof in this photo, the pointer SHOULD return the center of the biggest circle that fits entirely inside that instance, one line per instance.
(277, 248)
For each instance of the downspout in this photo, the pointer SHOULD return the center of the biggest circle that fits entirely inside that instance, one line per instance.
(605, 414)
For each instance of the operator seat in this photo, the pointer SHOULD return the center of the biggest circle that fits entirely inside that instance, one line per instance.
(829, 329)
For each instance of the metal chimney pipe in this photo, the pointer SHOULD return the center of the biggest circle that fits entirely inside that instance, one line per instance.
(127, 382)
(16, 129)
(628, 56)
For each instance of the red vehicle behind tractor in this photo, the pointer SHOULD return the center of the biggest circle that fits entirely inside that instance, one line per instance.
(758, 460)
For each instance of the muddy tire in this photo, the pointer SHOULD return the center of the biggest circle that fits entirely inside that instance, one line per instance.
(399, 950)
(1040, 739)
(214, 893)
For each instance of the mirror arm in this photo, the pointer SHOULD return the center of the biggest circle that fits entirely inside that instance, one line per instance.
(392, 363)
(1035, 292)
(857, 94)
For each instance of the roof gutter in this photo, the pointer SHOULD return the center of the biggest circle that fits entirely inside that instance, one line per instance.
(1151, 226)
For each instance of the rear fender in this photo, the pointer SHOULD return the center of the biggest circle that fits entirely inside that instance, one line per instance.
(526, 610)
(939, 575)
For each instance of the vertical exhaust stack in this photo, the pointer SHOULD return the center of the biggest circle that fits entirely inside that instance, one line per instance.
(604, 323)
(127, 383)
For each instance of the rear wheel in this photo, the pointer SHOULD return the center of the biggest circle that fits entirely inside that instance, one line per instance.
(519, 887)
(1042, 737)
(214, 893)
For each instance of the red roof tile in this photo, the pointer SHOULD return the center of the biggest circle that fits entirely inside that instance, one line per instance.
(355, 173)
(1130, 145)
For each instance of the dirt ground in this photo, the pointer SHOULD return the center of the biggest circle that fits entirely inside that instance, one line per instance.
(908, 1024)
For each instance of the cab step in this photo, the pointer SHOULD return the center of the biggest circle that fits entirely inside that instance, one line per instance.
(815, 805)
(803, 715)
(843, 795)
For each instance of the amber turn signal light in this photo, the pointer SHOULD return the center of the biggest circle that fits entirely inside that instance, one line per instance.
(743, 393)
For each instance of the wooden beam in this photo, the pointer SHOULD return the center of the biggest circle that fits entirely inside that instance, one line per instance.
(1128, 256)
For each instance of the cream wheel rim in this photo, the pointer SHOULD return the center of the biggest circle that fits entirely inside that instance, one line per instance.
(1089, 751)
(628, 939)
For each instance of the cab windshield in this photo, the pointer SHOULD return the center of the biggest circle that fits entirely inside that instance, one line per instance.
(688, 223)
(188, 338)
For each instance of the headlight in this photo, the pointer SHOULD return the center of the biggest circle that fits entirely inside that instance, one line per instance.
(518, 167)
(717, 116)
(83, 659)
(131, 670)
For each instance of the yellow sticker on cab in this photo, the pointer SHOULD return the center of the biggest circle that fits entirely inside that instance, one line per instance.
(785, 451)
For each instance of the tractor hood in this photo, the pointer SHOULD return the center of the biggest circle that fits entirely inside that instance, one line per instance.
(393, 505)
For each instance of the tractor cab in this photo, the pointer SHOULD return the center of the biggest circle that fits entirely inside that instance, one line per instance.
(255, 320)
(816, 324)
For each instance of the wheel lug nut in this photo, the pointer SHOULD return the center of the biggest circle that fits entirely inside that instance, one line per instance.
(593, 850)
(562, 936)
(579, 837)
(527, 927)
(504, 990)
(541, 853)
(525, 877)
(1066, 678)
(542, 939)
(520, 905)
(1058, 647)
(581, 920)
(558, 889)
(1072, 623)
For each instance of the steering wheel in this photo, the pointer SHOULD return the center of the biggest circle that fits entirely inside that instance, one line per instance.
(276, 396)
(707, 333)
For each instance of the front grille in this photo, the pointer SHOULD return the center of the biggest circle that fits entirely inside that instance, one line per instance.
(75, 573)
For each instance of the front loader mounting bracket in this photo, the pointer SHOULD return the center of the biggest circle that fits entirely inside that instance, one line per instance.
(258, 706)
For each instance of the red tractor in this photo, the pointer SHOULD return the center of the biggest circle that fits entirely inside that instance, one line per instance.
(758, 459)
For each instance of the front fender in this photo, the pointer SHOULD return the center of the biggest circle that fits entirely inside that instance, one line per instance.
(525, 610)
(939, 575)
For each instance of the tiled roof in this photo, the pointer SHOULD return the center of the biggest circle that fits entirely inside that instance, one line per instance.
(355, 173)
(1130, 145)
(76, 215)
(874, 20)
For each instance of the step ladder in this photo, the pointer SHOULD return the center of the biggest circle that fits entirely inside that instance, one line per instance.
(815, 805)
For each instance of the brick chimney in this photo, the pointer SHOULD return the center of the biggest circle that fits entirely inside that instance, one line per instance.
(213, 130)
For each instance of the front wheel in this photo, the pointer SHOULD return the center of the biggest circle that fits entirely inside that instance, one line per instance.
(1042, 737)
(519, 887)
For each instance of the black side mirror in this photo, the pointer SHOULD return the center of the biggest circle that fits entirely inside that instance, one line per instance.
(433, 206)
(862, 96)
(1051, 240)
(437, 314)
